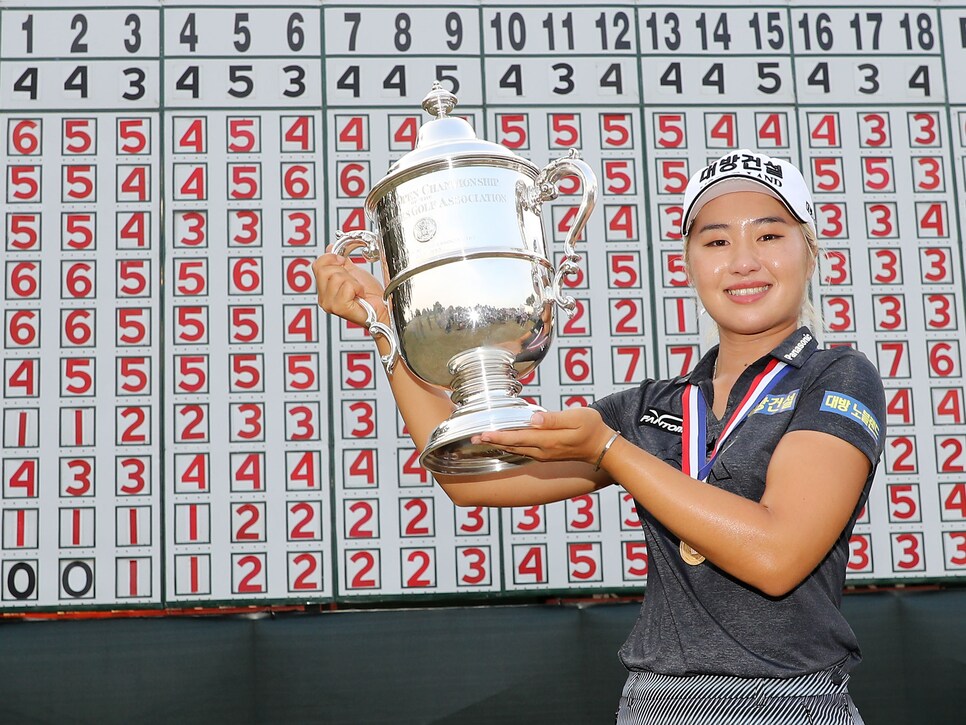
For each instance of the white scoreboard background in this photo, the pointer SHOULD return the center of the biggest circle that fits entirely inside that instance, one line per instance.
(182, 426)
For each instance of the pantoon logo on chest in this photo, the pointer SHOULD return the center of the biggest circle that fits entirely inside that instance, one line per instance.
(663, 420)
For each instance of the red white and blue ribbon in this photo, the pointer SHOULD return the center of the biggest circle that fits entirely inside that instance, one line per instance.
(694, 459)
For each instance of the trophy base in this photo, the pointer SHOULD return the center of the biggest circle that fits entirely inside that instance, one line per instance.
(450, 450)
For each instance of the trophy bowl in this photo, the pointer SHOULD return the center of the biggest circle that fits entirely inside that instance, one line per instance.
(469, 284)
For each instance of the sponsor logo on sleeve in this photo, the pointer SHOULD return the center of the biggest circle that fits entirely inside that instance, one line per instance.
(849, 407)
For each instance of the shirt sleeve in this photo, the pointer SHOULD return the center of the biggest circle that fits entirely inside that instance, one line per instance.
(846, 399)
(617, 408)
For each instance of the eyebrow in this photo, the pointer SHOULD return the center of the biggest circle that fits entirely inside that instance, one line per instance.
(758, 222)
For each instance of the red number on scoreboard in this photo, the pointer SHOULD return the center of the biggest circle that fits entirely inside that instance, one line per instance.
(564, 130)
(298, 134)
(670, 130)
(585, 563)
(25, 137)
(244, 135)
(79, 136)
(472, 566)
(513, 130)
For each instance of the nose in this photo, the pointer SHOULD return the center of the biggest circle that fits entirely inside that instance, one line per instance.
(745, 257)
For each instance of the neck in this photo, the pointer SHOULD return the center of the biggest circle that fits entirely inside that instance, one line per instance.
(737, 351)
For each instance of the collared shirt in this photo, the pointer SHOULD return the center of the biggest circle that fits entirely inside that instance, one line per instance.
(698, 619)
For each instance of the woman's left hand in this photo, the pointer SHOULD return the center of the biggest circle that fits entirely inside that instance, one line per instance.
(575, 434)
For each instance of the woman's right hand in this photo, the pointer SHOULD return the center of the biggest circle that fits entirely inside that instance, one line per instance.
(341, 282)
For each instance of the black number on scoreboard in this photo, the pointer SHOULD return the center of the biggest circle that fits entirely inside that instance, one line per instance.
(136, 82)
(776, 36)
(513, 78)
(454, 29)
(444, 74)
(719, 34)
(396, 80)
(189, 34)
(27, 83)
(79, 23)
(613, 78)
(133, 44)
(567, 24)
(242, 34)
(403, 38)
(766, 72)
(672, 76)
(294, 33)
(189, 81)
(621, 24)
(819, 76)
(920, 80)
(823, 31)
(856, 24)
(28, 28)
(239, 74)
(714, 78)
(349, 81)
(923, 31)
(77, 81)
(296, 74)
(673, 27)
(516, 30)
(870, 78)
(565, 75)
(353, 19)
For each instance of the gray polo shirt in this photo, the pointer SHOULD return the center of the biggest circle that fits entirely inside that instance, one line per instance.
(698, 619)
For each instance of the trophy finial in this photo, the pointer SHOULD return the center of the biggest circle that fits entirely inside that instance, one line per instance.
(439, 102)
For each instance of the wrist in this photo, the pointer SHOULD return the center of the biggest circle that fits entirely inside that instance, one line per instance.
(605, 448)
(383, 316)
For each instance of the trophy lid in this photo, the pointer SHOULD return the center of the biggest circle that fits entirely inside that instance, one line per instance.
(446, 136)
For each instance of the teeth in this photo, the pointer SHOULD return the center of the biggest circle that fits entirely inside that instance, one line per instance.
(747, 291)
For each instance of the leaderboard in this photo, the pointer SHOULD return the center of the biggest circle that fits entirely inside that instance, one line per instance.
(183, 426)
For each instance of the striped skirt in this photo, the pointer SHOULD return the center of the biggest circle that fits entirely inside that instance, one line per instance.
(820, 698)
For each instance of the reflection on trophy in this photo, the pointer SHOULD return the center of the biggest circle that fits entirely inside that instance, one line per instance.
(469, 284)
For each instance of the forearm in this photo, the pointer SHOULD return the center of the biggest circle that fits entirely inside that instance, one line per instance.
(738, 535)
(422, 406)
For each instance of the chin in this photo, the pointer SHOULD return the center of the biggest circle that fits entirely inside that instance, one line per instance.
(756, 325)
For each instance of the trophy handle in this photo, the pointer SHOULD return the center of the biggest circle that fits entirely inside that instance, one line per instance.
(544, 189)
(346, 243)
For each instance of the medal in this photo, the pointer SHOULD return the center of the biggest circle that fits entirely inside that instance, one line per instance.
(690, 555)
(694, 459)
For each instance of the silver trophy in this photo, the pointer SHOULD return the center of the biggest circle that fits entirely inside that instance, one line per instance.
(469, 283)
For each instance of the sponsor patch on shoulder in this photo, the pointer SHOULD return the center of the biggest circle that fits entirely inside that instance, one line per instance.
(846, 405)
(774, 404)
(662, 420)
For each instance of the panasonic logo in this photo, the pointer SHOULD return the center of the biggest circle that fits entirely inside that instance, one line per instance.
(796, 351)
(665, 421)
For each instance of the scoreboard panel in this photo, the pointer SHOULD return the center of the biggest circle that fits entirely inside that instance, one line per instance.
(182, 424)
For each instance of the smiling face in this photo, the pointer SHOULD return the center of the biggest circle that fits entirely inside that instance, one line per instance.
(750, 263)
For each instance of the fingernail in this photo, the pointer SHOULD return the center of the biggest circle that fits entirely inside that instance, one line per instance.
(537, 419)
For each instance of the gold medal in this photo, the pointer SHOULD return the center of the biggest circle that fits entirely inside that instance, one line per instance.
(690, 555)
